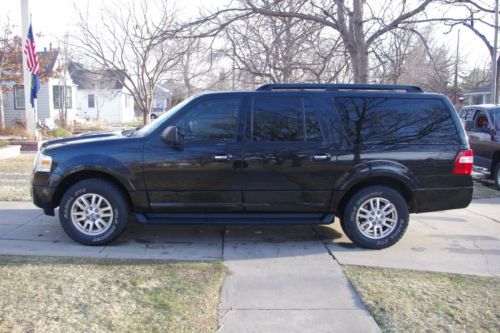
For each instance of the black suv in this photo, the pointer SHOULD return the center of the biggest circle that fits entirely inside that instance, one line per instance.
(482, 123)
(285, 153)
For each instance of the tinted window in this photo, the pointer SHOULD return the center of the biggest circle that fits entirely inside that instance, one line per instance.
(212, 120)
(396, 120)
(313, 129)
(284, 118)
(277, 119)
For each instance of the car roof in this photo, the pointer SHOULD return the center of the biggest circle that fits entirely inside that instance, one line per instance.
(482, 106)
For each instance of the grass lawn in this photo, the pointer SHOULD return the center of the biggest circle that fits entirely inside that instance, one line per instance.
(84, 295)
(411, 301)
(15, 178)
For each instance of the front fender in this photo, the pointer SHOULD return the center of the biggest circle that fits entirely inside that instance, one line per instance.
(98, 163)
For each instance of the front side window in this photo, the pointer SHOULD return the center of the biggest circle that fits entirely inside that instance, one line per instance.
(211, 121)
(19, 97)
(481, 121)
(380, 120)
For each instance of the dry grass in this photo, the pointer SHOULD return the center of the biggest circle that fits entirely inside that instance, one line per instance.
(411, 301)
(15, 178)
(84, 295)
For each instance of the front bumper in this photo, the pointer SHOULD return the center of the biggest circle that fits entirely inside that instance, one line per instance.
(42, 196)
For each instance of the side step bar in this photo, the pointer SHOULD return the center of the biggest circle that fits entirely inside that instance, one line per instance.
(231, 218)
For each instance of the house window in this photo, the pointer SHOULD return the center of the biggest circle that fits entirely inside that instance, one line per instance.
(18, 97)
(91, 101)
(59, 96)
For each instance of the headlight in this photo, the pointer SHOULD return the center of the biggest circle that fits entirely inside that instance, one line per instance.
(43, 163)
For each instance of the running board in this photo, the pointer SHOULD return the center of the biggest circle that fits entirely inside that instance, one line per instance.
(232, 218)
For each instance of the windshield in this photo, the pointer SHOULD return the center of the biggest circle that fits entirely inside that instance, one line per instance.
(149, 128)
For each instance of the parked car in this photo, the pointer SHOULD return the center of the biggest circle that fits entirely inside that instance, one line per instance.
(285, 153)
(155, 113)
(482, 124)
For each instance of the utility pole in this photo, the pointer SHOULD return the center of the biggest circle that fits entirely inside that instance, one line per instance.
(29, 111)
(455, 83)
(494, 88)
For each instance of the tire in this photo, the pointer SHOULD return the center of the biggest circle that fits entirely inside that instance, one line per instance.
(496, 175)
(105, 217)
(385, 228)
(153, 116)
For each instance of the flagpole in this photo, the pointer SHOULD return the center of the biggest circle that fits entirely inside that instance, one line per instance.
(29, 114)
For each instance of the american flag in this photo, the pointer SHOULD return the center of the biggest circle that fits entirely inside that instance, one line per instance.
(29, 50)
(33, 65)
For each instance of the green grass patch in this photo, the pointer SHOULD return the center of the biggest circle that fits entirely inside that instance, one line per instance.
(41, 294)
(15, 176)
(413, 301)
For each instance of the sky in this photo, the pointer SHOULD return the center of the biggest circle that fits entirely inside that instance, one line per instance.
(54, 18)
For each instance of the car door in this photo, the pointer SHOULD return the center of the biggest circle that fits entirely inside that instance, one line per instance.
(288, 163)
(480, 139)
(203, 174)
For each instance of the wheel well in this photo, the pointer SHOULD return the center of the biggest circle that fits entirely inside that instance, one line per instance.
(82, 175)
(384, 181)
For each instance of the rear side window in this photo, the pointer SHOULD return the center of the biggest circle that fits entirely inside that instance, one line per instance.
(378, 120)
(283, 118)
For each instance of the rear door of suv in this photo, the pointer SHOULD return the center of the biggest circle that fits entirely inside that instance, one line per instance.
(288, 161)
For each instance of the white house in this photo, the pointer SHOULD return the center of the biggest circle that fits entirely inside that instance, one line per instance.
(59, 88)
(101, 96)
(479, 95)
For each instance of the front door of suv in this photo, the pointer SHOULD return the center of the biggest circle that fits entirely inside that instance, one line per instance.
(203, 175)
(288, 163)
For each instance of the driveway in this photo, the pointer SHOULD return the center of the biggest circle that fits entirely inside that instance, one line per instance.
(281, 278)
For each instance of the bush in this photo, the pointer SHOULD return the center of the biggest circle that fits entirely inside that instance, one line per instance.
(4, 143)
(58, 132)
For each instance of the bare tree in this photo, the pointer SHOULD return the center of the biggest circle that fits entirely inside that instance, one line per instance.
(478, 18)
(10, 66)
(359, 23)
(282, 49)
(126, 41)
(392, 53)
(196, 60)
(428, 65)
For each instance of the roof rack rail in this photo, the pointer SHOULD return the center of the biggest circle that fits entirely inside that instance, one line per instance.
(338, 87)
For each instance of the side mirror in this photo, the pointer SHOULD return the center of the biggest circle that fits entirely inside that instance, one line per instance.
(172, 137)
(468, 125)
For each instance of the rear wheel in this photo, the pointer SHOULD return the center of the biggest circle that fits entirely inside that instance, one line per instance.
(93, 212)
(376, 217)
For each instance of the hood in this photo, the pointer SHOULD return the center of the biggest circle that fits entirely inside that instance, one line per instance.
(82, 137)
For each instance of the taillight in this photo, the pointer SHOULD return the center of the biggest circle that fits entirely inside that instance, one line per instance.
(463, 162)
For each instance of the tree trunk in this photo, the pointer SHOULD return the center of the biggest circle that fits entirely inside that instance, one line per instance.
(2, 113)
(359, 58)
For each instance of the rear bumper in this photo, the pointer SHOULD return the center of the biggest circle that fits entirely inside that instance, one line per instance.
(430, 200)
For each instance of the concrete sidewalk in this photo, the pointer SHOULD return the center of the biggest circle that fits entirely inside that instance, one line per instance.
(464, 241)
(284, 280)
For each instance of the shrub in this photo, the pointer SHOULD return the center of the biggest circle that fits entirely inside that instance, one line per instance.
(4, 143)
(58, 132)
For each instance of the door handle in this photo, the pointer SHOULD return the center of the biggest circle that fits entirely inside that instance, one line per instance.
(322, 157)
(222, 158)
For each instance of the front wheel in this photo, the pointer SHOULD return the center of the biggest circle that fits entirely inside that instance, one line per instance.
(93, 212)
(496, 175)
(376, 217)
